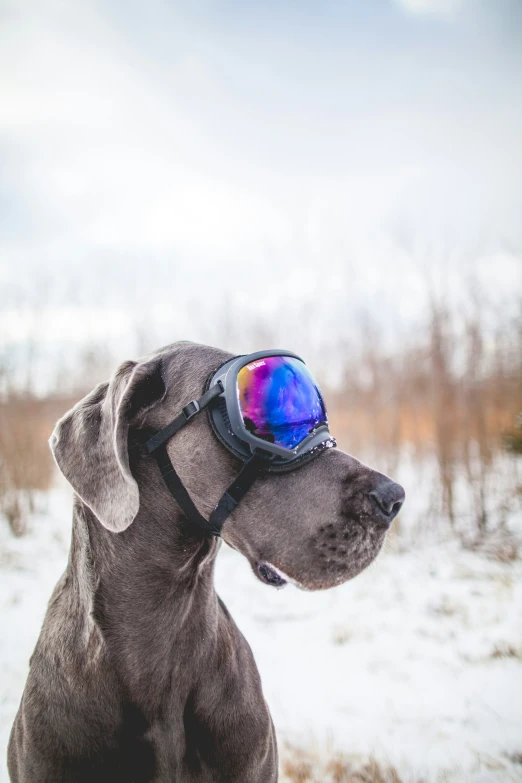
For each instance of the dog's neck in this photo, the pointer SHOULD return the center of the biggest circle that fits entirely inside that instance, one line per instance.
(152, 594)
(158, 657)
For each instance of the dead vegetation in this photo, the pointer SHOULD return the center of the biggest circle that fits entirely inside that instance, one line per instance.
(506, 651)
(501, 545)
(27, 419)
(452, 395)
(298, 766)
(26, 464)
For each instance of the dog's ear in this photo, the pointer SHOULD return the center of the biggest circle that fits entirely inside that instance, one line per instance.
(90, 445)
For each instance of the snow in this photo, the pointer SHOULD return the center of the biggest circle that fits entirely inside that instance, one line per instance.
(417, 661)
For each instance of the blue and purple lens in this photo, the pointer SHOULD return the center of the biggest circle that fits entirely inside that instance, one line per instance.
(279, 401)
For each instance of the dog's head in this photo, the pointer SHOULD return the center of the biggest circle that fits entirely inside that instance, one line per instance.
(317, 526)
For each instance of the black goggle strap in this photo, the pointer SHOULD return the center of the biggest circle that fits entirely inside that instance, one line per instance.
(157, 446)
(190, 410)
(238, 489)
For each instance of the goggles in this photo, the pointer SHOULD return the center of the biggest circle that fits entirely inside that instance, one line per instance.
(267, 410)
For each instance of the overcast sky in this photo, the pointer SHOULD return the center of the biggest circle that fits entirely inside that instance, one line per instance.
(165, 157)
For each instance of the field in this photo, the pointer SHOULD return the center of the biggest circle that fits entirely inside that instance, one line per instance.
(341, 180)
(411, 672)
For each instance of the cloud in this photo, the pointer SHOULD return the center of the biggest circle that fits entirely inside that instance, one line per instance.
(443, 8)
(196, 156)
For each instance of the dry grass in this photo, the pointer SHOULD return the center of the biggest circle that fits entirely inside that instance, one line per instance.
(500, 545)
(506, 651)
(341, 635)
(298, 766)
(453, 394)
(26, 464)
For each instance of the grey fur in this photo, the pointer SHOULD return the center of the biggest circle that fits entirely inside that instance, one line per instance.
(140, 675)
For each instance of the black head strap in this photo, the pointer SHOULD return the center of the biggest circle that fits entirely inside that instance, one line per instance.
(190, 410)
(238, 489)
(157, 446)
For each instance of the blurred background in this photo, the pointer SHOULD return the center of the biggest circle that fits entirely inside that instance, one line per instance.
(339, 178)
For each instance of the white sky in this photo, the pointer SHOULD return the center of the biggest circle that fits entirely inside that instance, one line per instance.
(173, 159)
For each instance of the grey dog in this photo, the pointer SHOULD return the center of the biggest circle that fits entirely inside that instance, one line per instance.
(140, 674)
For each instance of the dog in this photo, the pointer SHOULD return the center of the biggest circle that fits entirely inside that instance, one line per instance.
(140, 674)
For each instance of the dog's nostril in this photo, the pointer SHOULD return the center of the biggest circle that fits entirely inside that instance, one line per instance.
(396, 508)
(389, 497)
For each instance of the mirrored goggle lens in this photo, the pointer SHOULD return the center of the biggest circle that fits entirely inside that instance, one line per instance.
(279, 401)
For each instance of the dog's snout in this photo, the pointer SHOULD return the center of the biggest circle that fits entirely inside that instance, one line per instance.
(388, 497)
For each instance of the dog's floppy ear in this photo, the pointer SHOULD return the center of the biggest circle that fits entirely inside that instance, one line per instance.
(90, 447)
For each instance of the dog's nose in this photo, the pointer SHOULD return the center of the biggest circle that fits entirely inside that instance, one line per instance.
(388, 497)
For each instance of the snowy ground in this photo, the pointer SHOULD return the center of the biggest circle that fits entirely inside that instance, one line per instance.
(418, 661)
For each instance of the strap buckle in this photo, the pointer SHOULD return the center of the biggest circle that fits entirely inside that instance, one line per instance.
(191, 409)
